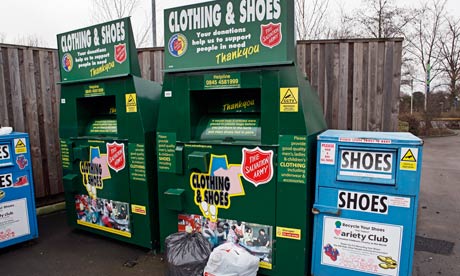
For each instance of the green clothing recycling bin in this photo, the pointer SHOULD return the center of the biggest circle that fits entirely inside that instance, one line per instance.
(108, 118)
(237, 132)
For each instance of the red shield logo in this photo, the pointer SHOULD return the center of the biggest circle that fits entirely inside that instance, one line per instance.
(270, 35)
(120, 53)
(257, 166)
(116, 156)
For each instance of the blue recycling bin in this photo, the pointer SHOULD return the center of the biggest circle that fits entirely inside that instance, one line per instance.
(18, 219)
(367, 189)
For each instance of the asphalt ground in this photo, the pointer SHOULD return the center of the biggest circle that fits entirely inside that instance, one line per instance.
(439, 208)
(60, 250)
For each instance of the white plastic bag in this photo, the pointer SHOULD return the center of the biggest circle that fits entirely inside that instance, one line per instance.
(5, 130)
(230, 259)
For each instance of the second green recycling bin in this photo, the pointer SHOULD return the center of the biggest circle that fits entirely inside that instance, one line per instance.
(108, 118)
(237, 132)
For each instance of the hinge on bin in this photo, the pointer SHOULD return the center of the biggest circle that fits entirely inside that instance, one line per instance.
(318, 208)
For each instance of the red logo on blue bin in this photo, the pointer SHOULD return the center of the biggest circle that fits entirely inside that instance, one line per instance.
(270, 35)
(22, 161)
(177, 45)
(116, 156)
(67, 62)
(120, 53)
(257, 166)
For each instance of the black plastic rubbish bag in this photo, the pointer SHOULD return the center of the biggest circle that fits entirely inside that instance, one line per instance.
(186, 254)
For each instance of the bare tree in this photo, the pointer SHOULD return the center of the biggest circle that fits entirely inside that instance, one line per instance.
(450, 56)
(423, 43)
(2, 37)
(381, 19)
(106, 10)
(310, 19)
(345, 27)
(31, 40)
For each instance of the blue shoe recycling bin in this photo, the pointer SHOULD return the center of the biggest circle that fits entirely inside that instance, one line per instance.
(366, 198)
(18, 220)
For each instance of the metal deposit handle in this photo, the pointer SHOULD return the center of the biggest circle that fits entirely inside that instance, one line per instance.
(317, 209)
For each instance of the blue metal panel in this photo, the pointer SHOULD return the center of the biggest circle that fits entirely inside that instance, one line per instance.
(18, 220)
(366, 208)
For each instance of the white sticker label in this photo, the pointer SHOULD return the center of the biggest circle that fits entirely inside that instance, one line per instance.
(62, 101)
(365, 140)
(399, 201)
(369, 247)
(327, 155)
(370, 203)
(14, 219)
(168, 94)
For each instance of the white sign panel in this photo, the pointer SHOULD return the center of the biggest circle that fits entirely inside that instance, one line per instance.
(363, 246)
(327, 155)
(366, 163)
(14, 219)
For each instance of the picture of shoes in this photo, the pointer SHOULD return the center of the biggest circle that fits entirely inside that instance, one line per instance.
(387, 266)
(388, 262)
(331, 252)
(21, 181)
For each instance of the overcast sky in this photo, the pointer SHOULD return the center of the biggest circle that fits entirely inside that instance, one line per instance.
(44, 19)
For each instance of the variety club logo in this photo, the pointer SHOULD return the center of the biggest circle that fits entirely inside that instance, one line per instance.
(337, 229)
(177, 45)
(257, 166)
(214, 189)
(270, 35)
(120, 53)
(67, 62)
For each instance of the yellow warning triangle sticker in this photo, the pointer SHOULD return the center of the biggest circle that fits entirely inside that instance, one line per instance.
(289, 98)
(131, 99)
(20, 144)
(409, 157)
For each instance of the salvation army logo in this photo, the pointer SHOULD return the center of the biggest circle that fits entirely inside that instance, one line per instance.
(257, 166)
(177, 45)
(270, 35)
(120, 53)
(67, 62)
(116, 156)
